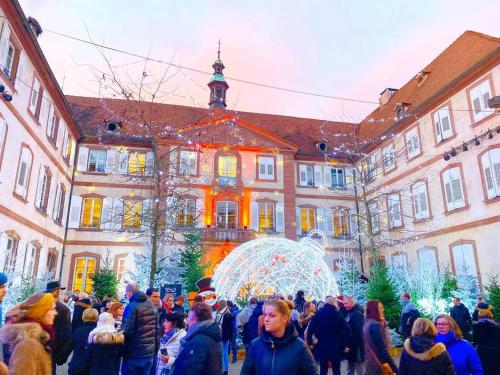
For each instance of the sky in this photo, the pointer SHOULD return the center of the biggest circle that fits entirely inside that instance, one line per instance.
(347, 49)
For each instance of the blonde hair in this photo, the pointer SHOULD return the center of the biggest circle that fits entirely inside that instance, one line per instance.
(89, 315)
(424, 327)
(453, 325)
(485, 313)
(283, 307)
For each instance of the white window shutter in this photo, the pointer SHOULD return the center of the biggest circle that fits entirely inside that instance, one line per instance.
(57, 202)
(19, 84)
(51, 195)
(448, 190)
(83, 155)
(149, 163)
(254, 215)
(329, 222)
(117, 214)
(456, 185)
(321, 220)
(437, 122)
(445, 120)
(4, 43)
(33, 98)
(200, 217)
(107, 212)
(353, 224)
(3, 128)
(298, 221)
(327, 173)
(74, 212)
(110, 161)
(318, 176)
(44, 110)
(147, 214)
(280, 218)
(60, 135)
(4, 240)
(123, 162)
(303, 175)
(21, 253)
(349, 177)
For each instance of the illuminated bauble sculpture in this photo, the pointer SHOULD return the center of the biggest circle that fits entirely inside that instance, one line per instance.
(276, 265)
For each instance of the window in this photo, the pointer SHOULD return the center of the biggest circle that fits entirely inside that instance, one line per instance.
(52, 256)
(31, 255)
(112, 213)
(453, 188)
(121, 268)
(442, 122)
(427, 259)
(265, 165)
(136, 163)
(9, 248)
(85, 268)
(412, 143)
(464, 260)
(306, 175)
(227, 170)
(420, 200)
(187, 212)
(9, 53)
(307, 219)
(97, 161)
(490, 162)
(371, 167)
(389, 158)
(399, 260)
(394, 211)
(43, 189)
(3, 137)
(36, 98)
(52, 125)
(374, 218)
(479, 97)
(91, 217)
(132, 214)
(23, 172)
(67, 145)
(266, 216)
(340, 222)
(188, 162)
(227, 215)
(338, 178)
(58, 209)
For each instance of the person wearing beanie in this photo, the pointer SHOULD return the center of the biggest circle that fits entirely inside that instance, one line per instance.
(82, 304)
(79, 360)
(106, 347)
(29, 334)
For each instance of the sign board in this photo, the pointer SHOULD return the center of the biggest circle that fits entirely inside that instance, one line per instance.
(175, 289)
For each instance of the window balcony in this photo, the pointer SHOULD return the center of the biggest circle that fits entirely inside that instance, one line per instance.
(232, 235)
(226, 181)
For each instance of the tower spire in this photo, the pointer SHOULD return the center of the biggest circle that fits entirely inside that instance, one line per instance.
(218, 85)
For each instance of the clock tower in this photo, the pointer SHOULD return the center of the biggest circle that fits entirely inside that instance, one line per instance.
(218, 85)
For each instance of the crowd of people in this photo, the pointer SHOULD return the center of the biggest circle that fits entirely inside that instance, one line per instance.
(147, 335)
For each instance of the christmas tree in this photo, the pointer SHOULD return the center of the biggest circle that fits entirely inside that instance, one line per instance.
(190, 260)
(467, 288)
(493, 290)
(350, 281)
(382, 288)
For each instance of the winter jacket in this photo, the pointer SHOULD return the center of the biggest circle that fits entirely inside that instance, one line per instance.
(409, 314)
(28, 345)
(140, 327)
(464, 357)
(61, 348)
(179, 309)
(481, 306)
(461, 315)
(201, 352)
(331, 331)
(173, 346)
(355, 322)
(80, 307)
(376, 342)
(299, 304)
(487, 339)
(105, 352)
(422, 356)
(79, 364)
(251, 326)
(224, 319)
(287, 355)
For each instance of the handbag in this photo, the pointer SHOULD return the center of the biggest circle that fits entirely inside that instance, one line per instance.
(385, 368)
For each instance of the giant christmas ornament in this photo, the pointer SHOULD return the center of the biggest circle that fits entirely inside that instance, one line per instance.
(276, 265)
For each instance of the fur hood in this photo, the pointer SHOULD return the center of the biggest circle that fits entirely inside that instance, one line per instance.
(12, 334)
(434, 351)
(106, 338)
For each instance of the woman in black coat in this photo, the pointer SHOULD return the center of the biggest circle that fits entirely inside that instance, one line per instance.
(106, 347)
(79, 364)
(80, 307)
(278, 350)
(421, 355)
(487, 339)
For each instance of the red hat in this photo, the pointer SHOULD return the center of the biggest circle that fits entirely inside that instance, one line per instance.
(340, 299)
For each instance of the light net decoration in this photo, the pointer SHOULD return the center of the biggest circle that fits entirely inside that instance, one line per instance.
(276, 265)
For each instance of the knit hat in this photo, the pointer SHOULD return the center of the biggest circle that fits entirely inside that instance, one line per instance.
(34, 308)
(3, 279)
(340, 299)
(105, 323)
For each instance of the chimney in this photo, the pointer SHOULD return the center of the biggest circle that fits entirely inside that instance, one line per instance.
(386, 95)
(34, 26)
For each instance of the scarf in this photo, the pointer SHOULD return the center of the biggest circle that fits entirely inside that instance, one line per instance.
(47, 328)
(168, 335)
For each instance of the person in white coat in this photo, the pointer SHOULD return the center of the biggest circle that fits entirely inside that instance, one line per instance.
(170, 343)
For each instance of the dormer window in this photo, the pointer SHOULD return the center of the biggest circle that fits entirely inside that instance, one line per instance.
(401, 109)
(421, 77)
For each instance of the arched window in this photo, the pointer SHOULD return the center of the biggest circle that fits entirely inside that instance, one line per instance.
(84, 269)
(427, 259)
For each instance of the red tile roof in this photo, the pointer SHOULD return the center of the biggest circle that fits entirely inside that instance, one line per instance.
(463, 54)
